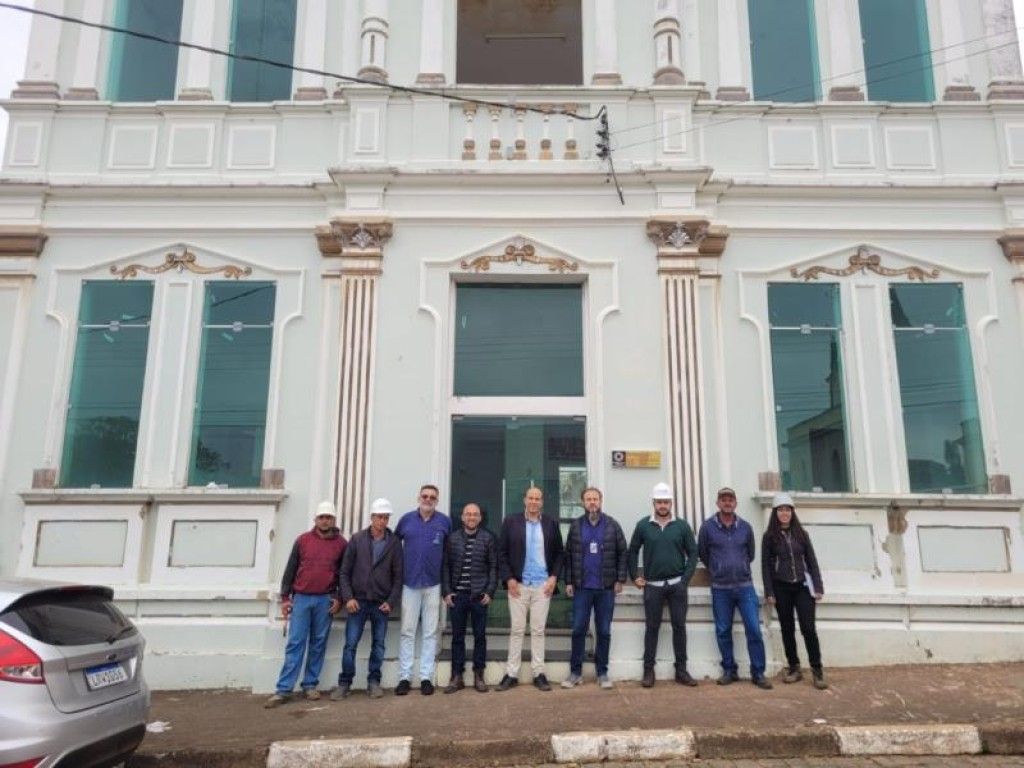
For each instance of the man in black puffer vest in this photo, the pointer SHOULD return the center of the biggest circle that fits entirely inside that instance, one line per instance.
(469, 577)
(595, 570)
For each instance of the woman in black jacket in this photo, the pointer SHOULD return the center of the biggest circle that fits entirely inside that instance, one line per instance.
(792, 581)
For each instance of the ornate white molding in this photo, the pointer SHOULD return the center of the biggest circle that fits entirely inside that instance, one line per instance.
(181, 262)
(519, 254)
(863, 261)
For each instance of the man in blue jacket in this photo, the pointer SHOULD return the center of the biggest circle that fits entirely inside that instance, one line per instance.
(726, 547)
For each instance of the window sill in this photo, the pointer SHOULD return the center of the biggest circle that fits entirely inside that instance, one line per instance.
(151, 496)
(904, 501)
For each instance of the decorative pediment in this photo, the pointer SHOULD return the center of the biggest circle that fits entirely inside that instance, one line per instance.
(519, 254)
(862, 262)
(181, 262)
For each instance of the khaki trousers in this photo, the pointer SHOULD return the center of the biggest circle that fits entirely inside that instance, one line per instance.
(534, 602)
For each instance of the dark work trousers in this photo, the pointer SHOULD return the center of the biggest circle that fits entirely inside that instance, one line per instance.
(471, 607)
(795, 596)
(654, 603)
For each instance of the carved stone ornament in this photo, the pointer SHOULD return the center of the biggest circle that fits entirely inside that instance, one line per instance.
(863, 262)
(353, 238)
(520, 253)
(186, 260)
(697, 236)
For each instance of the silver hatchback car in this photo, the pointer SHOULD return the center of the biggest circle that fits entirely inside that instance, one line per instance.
(71, 687)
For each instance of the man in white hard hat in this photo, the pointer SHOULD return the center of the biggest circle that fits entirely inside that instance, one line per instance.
(670, 558)
(370, 585)
(309, 597)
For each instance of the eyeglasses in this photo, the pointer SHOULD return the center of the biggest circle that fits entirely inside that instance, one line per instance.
(428, 497)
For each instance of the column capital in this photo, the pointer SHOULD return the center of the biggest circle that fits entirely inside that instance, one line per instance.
(1012, 243)
(360, 243)
(21, 242)
(681, 241)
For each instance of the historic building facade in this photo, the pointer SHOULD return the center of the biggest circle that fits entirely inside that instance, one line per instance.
(229, 290)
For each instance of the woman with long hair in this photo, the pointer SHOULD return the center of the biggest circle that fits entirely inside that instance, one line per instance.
(792, 583)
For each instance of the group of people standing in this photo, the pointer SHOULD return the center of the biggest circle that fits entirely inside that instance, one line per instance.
(424, 562)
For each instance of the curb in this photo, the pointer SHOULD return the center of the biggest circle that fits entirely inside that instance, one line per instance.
(621, 746)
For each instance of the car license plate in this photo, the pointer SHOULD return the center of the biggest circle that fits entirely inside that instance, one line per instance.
(105, 675)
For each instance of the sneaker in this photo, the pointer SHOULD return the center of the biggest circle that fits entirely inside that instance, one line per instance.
(506, 683)
(426, 688)
(683, 678)
(793, 675)
(373, 690)
(311, 694)
(572, 681)
(341, 692)
(540, 682)
(819, 679)
(727, 678)
(604, 682)
(403, 688)
(648, 680)
(762, 682)
(276, 700)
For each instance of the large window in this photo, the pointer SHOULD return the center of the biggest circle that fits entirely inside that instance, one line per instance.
(513, 42)
(896, 50)
(519, 340)
(807, 371)
(263, 28)
(234, 376)
(145, 70)
(102, 427)
(940, 407)
(783, 50)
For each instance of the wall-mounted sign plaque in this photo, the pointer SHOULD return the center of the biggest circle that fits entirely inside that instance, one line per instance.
(636, 459)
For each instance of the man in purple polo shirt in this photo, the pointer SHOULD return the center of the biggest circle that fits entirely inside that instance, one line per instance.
(423, 532)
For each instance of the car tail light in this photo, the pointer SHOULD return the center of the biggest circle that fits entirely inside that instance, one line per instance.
(30, 763)
(19, 664)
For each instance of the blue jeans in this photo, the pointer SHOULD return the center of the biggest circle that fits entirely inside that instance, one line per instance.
(468, 607)
(353, 634)
(421, 606)
(308, 627)
(724, 602)
(602, 603)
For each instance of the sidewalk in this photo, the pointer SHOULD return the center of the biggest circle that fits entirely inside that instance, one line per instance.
(230, 729)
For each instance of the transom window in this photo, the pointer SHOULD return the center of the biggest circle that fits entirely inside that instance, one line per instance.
(807, 371)
(512, 42)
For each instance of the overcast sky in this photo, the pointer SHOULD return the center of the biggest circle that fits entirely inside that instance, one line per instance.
(14, 42)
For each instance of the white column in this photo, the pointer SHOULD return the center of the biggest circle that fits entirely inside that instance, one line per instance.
(956, 67)
(310, 49)
(197, 22)
(667, 43)
(1006, 81)
(431, 43)
(373, 64)
(733, 52)
(85, 79)
(691, 60)
(846, 61)
(606, 44)
(40, 81)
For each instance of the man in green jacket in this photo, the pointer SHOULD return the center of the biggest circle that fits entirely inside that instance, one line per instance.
(670, 558)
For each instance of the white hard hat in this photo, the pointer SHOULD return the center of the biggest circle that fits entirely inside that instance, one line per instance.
(381, 507)
(662, 491)
(325, 508)
(783, 500)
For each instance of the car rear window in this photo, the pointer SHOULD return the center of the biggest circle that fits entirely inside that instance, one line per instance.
(68, 618)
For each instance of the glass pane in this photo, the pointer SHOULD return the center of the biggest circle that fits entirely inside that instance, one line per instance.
(264, 28)
(896, 50)
(519, 340)
(496, 459)
(783, 50)
(940, 406)
(106, 386)
(145, 70)
(68, 618)
(511, 42)
(938, 304)
(791, 305)
(809, 410)
(234, 378)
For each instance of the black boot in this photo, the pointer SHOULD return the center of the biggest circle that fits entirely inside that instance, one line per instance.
(819, 678)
